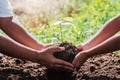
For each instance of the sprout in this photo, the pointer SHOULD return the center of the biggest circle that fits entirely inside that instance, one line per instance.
(57, 23)
(63, 23)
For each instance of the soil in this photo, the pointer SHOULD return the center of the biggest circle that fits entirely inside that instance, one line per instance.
(67, 55)
(101, 67)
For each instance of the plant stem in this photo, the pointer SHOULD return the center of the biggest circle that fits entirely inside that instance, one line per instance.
(61, 33)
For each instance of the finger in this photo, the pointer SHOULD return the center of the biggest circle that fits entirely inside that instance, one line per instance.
(48, 45)
(55, 49)
(61, 67)
(75, 61)
(52, 44)
(79, 46)
(64, 64)
(77, 65)
(78, 62)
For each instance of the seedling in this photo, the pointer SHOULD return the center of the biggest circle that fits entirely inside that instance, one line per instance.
(60, 24)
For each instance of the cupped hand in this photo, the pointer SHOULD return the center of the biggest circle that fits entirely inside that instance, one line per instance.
(79, 59)
(50, 44)
(45, 57)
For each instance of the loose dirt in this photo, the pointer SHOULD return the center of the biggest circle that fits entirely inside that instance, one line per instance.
(101, 67)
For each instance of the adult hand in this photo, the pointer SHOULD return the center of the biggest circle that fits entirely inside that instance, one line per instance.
(80, 47)
(80, 58)
(45, 57)
(50, 44)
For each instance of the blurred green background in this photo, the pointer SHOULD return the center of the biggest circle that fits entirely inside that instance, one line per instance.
(76, 22)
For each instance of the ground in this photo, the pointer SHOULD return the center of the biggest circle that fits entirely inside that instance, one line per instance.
(100, 67)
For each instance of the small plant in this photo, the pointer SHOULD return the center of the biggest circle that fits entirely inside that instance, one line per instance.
(62, 24)
(61, 34)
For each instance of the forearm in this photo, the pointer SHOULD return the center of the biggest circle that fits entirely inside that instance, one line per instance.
(107, 46)
(14, 49)
(19, 34)
(108, 30)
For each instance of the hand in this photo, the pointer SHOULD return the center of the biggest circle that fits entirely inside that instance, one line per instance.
(50, 44)
(79, 59)
(80, 47)
(45, 57)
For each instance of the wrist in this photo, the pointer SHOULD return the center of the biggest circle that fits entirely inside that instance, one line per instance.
(40, 58)
(86, 54)
(85, 46)
(40, 46)
(34, 58)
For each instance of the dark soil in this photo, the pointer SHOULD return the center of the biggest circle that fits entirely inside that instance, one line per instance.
(101, 67)
(67, 55)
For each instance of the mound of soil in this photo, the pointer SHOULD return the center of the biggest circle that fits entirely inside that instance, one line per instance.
(101, 67)
(17, 69)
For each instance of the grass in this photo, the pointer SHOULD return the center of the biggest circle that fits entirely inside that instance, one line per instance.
(81, 19)
(78, 21)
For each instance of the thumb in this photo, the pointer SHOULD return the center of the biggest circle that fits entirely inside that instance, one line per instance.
(75, 61)
(52, 44)
(80, 47)
(48, 45)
